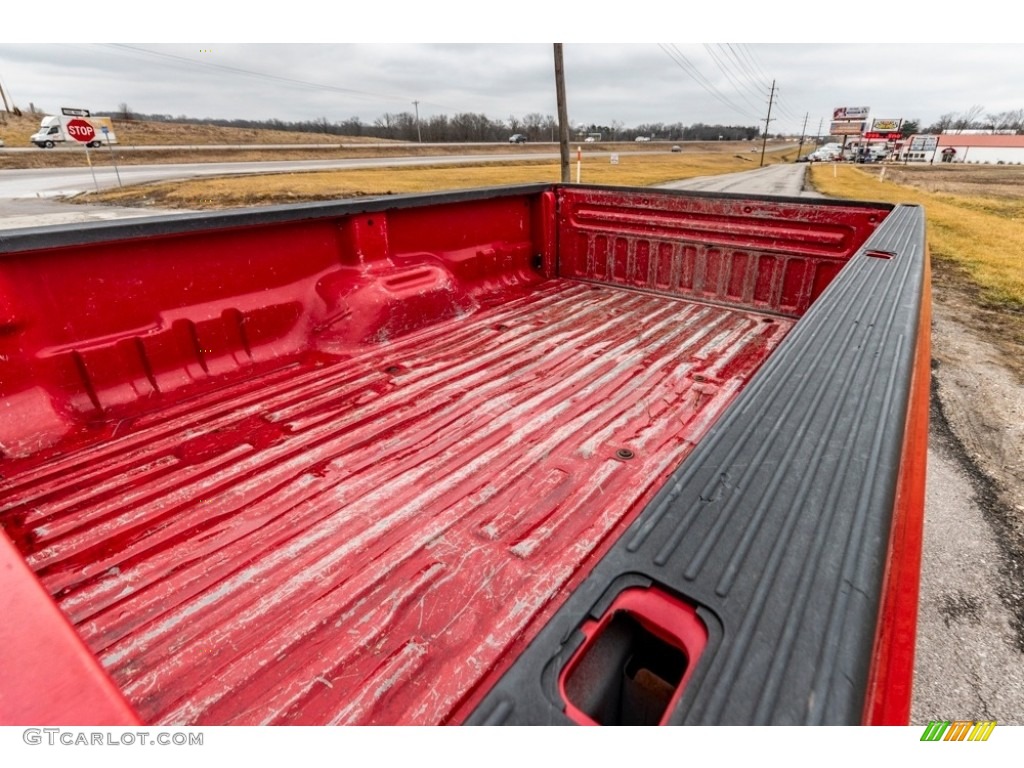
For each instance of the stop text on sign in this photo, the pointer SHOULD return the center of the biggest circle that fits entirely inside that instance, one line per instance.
(79, 130)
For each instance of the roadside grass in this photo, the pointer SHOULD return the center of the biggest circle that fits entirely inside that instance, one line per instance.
(968, 179)
(247, 152)
(982, 235)
(232, 191)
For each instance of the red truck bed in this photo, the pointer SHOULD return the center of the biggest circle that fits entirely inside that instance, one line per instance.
(372, 523)
(342, 464)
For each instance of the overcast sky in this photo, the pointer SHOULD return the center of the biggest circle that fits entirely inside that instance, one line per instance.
(629, 82)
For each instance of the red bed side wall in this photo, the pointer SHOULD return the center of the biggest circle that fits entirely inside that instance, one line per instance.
(775, 256)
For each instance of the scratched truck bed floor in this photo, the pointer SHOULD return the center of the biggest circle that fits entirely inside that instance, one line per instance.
(374, 539)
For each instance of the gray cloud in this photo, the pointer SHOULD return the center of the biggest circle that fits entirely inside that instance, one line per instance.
(628, 83)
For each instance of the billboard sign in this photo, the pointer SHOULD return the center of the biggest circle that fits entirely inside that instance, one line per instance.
(850, 113)
(924, 143)
(886, 126)
(846, 129)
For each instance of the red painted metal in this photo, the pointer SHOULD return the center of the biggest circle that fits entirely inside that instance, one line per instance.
(94, 330)
(49, 676)
(342, 470)
(667, 617)
(363, 540)
(891, 679)
(753, 254)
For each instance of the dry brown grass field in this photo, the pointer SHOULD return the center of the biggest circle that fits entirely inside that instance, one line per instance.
(989, 181)
(596, 167)
(15, 130)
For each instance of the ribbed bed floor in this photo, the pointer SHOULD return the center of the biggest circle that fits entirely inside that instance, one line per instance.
(373, 540)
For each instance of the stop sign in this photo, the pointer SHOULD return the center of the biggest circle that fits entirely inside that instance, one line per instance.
(80, 130)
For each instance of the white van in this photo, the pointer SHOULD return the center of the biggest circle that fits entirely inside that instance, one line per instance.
(53, 131)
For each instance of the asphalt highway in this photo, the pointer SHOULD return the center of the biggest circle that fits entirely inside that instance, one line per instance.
(19, 184)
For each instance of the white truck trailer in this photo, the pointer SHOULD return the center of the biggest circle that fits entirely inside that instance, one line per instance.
(53, 131)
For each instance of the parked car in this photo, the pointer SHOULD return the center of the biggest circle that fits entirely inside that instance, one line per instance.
(823, 154)
(872, 155)
(517, 138)
(643, 138)
(826, 152)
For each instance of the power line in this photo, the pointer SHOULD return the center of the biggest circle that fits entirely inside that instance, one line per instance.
(754, 68)
(262, 75)
(725, 66)
(745, 50)
(738, 55)
(248, 72)
(691, 70)
(783, 107)
(738, 67)
(757, 92)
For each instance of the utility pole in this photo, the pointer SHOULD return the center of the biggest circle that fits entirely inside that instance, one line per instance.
(7, 107)
(563, 113)
(767, 120)
(419, 136)
(817, 138)
(803, 134)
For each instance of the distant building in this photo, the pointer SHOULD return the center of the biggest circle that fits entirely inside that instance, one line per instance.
(983, 148)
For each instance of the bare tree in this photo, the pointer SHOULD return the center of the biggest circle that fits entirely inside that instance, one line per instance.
(550, 127)
(385, 125)
(351, 127)
(1015, 119)
(944, 123)
(967, 118)
(533, 127)
(1011, 120)
(405, 126)
(124, 112)
(651, 129)
(437, 129)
